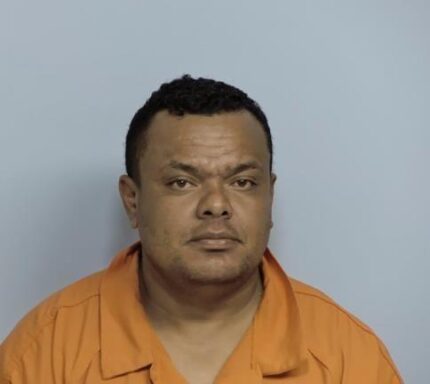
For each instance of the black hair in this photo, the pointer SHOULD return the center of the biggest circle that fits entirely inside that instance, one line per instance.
(186, 95)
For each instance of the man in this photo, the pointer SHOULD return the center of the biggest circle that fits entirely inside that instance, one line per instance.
(200, 299)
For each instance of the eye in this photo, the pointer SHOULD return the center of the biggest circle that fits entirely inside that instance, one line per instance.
(244, 183)
(180, 184)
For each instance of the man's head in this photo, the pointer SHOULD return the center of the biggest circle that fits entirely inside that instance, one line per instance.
(188, 96)
(199, 186)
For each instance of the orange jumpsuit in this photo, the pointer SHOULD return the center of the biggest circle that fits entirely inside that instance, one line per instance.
(95, 331)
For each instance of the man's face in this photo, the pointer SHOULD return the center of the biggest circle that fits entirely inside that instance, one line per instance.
(203, 204)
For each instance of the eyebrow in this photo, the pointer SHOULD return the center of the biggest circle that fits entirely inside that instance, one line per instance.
(249, 165)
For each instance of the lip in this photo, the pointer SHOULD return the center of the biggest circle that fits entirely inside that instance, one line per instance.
(214, 236)
(215, 244)
(214, 241)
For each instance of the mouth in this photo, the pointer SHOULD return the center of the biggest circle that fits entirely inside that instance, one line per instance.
(215, 242)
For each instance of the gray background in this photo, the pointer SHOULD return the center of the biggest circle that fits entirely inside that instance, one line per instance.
(345, 85)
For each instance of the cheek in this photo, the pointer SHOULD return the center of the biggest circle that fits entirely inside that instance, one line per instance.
(254, 217)
(163, 221)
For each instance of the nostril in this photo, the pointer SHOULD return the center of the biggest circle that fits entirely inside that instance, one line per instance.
(210, 213)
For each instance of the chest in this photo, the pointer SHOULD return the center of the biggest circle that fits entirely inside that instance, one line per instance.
(196, 363)
(162, 372)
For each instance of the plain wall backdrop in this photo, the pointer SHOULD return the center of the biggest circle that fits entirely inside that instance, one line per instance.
(346, 88)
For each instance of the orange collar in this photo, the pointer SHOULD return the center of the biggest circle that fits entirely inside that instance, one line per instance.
(127, 338)
(279, 344)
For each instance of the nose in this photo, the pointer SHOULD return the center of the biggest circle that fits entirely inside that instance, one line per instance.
(214, 204)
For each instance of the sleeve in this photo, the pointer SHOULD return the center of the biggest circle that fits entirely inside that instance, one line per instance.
(365, 357)
(25, 359)
(387, 371)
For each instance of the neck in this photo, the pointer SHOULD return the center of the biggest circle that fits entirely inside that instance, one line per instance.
(170, 306)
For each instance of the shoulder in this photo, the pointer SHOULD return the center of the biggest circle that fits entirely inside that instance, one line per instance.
(332, 331)
(313, 301)
(320, 312)
(65, 314)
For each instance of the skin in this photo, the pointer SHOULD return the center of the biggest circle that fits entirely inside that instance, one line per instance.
(202, 207)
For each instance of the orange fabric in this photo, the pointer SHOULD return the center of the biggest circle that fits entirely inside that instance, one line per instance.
(95, 331)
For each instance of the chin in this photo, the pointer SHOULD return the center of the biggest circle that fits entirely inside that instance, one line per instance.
(217, 270)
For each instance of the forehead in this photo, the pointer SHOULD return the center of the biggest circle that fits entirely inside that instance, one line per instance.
(219, 140)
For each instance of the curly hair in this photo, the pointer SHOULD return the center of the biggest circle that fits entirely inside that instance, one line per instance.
(186, 95)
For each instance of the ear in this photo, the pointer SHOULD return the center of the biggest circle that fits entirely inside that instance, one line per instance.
(129, 195)
(272, 184)
(272, 193)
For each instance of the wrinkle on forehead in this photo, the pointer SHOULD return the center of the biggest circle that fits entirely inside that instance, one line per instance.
(212, 157)
(201, 148)
(214, 168)
(211, 143)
